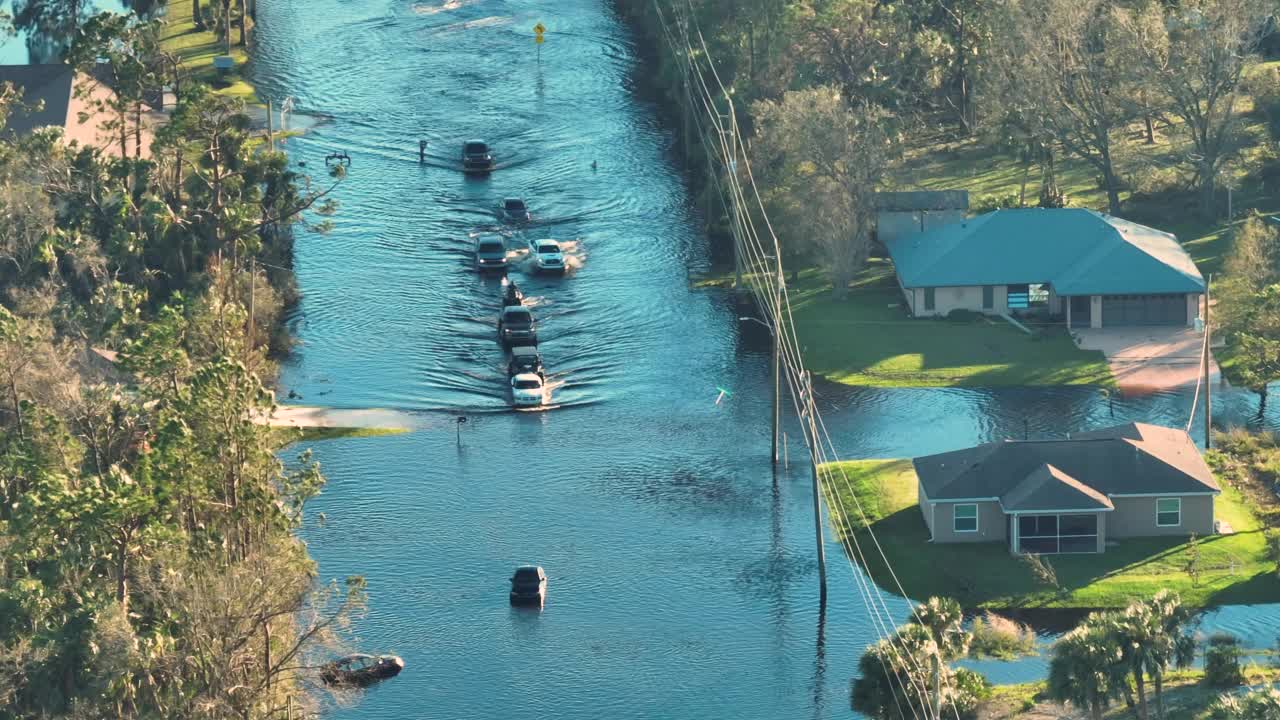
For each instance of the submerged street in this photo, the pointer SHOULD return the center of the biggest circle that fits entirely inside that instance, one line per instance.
(682, 580)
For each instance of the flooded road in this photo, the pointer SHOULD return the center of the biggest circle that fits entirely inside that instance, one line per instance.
(682, 581)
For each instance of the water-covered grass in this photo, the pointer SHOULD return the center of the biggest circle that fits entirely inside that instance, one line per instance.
(1234, 568)
(286, 436)
(197, 48)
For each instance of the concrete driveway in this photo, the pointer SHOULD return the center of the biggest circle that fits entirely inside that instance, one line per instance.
(1150, 359)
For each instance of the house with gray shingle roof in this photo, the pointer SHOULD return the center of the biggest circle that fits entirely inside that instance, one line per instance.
(50, 99)
(1080, 266)
(1071, 495)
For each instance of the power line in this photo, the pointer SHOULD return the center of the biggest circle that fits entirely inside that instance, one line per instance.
(748, 242)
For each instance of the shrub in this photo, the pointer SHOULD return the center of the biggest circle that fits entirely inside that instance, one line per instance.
(971, 688)
(999, 637)
(1222, 661)
(987, 203)
(1273, 548)
(960, 315)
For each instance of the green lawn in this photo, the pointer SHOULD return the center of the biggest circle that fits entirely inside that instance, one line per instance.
(197, 48)
(1234, 567)
(868, 339)
(1186, 696)
(286, 436)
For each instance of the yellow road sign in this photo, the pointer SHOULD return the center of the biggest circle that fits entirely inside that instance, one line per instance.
(539, 29)
(538, 39)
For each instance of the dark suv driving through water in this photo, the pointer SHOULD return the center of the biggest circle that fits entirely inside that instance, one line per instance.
(516, 326)
(491, 253)
(525, 359)
(476, 157)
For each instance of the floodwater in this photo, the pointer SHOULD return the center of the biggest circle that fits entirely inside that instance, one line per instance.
(682, 572)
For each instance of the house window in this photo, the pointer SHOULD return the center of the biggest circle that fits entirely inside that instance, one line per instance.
(988, 297)
(1038, 295)
(928, 298)
(1019, 296)
(1168, 512)
(965, 519)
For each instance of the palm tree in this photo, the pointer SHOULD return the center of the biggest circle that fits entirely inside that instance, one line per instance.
(1152, 635)
(1172, 643)
(1257, 704)
(944, 619)
(1086, 669)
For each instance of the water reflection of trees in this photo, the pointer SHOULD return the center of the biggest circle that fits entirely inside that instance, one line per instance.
(49, 25)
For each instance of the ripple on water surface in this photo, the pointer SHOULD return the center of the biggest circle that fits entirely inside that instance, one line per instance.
(682, 581)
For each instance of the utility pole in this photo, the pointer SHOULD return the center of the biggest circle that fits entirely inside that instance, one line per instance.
(812, 428)
(733, 198)
(271, 135)
(1208, 356)
(935, 699)
(777, 364)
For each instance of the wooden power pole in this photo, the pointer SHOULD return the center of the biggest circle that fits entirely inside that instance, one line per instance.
(811, 427)
(1208, 358)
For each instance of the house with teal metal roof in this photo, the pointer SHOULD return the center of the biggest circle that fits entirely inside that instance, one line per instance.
(1071, 264)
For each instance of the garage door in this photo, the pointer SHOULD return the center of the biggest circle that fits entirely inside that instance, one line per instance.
(1144, 310)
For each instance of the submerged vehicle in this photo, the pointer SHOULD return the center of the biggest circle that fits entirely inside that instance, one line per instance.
(516, 326)
(476, 156)
(528, 585)
(515, 210)
(525, 359)
(527, 390)
(491, 253)
(548, 256)
(360, 669)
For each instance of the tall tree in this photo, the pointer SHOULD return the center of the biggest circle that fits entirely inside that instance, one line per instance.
(834, 158)
(129, 46)
(1060, 66)
(1192, 56)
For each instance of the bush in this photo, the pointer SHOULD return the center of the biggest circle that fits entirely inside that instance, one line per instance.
(971, 688)
(987, 203)
(960, 315)
(1000, 637)
(1222, 661)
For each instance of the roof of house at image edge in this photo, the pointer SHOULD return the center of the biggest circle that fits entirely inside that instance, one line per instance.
(1078, 251)
(1079, 473)
(48, 83)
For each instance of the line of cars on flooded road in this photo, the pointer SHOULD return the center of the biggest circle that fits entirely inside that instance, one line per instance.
(517, 327)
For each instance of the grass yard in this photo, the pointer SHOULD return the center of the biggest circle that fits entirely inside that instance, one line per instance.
(1186, 697)
(286, 436)
(197, 48)
(1151, 173)
(1234, 567)
(868, 339)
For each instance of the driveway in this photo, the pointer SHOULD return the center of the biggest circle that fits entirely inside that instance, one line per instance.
(1149, 359)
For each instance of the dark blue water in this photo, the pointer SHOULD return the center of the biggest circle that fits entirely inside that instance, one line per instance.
(682, 578)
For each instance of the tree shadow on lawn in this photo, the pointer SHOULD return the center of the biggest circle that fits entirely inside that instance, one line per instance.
(978, 574)
(871, 338)
(1261, 587)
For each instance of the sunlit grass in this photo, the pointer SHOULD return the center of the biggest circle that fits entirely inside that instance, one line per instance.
(1235, 567)
(197, 48)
